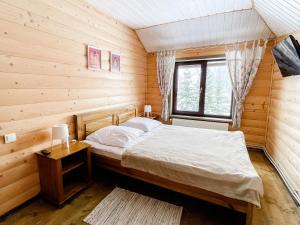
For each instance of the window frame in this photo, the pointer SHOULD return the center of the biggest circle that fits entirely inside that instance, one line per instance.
(200, 113)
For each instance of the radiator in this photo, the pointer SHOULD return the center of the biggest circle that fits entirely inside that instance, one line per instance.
(200, 124)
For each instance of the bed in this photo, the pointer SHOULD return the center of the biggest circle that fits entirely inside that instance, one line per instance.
(124, 161)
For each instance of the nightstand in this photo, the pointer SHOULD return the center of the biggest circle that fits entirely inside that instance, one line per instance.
(64, 172)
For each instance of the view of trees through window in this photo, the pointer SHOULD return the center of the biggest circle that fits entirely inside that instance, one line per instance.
(210, 76)
(218, 90)
(188, 91)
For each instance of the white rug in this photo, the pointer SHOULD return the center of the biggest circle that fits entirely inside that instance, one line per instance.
(122, 207)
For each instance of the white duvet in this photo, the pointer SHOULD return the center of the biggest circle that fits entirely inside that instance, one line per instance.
(216, 161)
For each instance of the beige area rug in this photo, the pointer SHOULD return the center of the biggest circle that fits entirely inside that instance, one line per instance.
(122, 207)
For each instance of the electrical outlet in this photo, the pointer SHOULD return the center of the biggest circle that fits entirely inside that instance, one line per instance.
(9, 138)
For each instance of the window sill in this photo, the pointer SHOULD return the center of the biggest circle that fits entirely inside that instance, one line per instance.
(208, 119)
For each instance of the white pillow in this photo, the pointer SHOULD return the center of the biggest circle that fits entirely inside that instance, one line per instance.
(142, 123)
(115, 136)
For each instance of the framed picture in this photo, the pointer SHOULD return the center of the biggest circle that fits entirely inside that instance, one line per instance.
(94, 58)
(115, 62)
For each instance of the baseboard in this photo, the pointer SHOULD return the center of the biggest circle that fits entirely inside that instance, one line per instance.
(294, 194)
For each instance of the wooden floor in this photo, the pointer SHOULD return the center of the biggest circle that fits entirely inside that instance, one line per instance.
(277, 206)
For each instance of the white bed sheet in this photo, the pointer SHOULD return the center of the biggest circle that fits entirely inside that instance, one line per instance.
(220, 162)
(216, 161)
(117, 152)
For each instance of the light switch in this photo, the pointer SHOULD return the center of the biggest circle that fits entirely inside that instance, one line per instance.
(9, 138)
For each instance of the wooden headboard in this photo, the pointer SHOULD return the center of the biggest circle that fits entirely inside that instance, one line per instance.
(87, 123)
(125, 115)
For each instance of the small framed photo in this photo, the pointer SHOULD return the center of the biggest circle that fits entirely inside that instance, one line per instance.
(94, 58)
(115, 62)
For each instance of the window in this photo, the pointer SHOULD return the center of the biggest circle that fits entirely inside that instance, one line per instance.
(202, 88)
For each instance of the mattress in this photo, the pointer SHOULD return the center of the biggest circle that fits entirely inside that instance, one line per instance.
(105, 150)
(216, 161)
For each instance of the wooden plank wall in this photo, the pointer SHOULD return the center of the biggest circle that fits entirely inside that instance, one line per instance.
(44, 80)
(256, 104)
(283, 134)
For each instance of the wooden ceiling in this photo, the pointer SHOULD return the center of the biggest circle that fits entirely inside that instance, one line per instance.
(282, 16)
(179, 24)
(139, 14)
(218, 29)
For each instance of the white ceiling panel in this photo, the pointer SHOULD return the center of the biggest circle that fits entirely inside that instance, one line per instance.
(282, 16)
(178, 24)
(205, 31)
(146, 13)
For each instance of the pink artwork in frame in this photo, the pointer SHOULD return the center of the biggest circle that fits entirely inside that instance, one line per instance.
(115, 62)
(94, 58)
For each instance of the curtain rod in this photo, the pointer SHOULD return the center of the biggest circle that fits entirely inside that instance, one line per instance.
(215, 57)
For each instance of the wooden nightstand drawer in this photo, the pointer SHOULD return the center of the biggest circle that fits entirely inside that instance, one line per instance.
(64, 172)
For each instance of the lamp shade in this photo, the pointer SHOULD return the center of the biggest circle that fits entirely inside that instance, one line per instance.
(147, 109)
(60, 131)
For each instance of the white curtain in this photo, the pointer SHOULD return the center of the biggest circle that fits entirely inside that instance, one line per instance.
(165, 61)
(243, 61)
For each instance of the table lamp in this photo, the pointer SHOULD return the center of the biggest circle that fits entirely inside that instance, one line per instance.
(147, 110)
(61, 132)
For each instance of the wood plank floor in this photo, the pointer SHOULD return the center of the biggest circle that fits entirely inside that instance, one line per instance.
(277, 206)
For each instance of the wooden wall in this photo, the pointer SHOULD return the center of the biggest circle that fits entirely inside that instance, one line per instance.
(44, 80)
(283, 134)
(256, 104)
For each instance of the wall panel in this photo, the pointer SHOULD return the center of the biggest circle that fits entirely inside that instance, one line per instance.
(44, 80)
(283, 133)
(256, 104)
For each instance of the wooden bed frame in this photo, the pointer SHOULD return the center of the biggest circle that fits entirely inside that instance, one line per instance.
(89, 122)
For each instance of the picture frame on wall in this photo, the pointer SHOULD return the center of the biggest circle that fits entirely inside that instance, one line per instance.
(93, 58)
(115, 62)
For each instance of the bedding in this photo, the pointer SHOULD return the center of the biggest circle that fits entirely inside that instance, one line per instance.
(216, 161)
(142, 123)
(115, 136)
(105, 150)
(116, 152)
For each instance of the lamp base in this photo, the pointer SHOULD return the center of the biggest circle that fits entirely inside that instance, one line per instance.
(64, 143)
